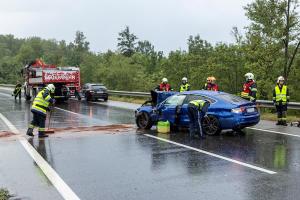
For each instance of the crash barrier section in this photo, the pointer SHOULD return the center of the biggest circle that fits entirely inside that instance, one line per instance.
(260, 103)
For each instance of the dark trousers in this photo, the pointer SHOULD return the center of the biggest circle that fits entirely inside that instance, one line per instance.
(195, 117)
(39, 120)
(281, 112)
(17, 92)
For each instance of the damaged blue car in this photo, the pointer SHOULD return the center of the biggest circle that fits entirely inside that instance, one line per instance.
(226, 111)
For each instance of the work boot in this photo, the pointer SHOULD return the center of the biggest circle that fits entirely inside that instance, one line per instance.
(30, 132)
(279, 123)
(284, 123)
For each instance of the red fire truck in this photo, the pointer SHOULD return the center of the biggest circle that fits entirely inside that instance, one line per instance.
(37, 75)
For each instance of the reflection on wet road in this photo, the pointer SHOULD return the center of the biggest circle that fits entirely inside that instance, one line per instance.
(133, 166)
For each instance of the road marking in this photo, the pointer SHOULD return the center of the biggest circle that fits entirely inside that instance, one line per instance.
(270, 131)
(55, 179)
(214, 155)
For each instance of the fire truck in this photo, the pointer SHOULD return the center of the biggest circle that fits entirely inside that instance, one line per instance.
(37, 75)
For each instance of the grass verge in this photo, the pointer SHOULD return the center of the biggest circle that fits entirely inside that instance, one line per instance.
(136, 100)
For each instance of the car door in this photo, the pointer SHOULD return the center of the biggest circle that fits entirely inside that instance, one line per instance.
(184, 118)
(170, 108)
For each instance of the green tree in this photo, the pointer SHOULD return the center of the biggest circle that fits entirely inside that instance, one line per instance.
(127, 42)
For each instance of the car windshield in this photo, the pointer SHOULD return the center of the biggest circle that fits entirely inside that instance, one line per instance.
(97, 87)
(175, 100)
(232, 98)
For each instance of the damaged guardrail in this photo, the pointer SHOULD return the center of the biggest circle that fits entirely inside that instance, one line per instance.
(260, 103)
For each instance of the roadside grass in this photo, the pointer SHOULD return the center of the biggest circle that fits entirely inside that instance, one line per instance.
(271, 115)
(4, 194)
(136, 100)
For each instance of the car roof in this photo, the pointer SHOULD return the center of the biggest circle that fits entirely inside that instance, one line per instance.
(204, 92)
(95, 84)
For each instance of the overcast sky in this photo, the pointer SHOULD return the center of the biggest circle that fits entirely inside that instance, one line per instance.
(165, 23)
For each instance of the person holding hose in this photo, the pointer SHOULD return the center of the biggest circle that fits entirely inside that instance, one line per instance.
(39, 109)
(17, 90)
(281, 98)
(196, 111)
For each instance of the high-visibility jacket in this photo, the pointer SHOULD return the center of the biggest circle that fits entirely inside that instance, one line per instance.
(249, 91)
(184, 87)
(281, 94)
(41, 102)
(201, 105)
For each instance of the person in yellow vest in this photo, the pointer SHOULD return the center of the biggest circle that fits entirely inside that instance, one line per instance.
(39, 109)
(184, 85)
(281, 99)
(196, 111)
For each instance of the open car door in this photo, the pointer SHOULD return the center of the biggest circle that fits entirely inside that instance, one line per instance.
(170, 109)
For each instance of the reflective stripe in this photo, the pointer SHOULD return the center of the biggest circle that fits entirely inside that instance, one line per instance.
(281, 95)
(41, 129)
(245, 95)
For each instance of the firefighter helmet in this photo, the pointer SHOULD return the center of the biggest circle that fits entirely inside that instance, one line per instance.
(51, 88)
(249, 76)
(280, 78)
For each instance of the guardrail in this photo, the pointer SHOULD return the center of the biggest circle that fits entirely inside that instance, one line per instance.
(260, 103)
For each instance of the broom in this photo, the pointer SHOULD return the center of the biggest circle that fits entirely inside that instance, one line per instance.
(48, 130)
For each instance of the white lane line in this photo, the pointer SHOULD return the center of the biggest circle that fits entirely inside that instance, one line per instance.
(214, 155)
(65, 191)
(270, 131)
(71, 112)
(7, 95)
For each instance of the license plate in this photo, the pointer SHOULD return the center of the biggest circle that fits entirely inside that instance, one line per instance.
(250, 110)
(100, 92)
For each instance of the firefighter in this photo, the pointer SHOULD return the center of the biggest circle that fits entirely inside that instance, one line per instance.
(39, 109)
(184, 85)
(214, 86)
(164, 86)
(196, 111)
(207, 85)
(281, 99)
(17, 90)
(249, 88)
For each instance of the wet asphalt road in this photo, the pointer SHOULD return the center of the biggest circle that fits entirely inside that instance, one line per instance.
(133, 166)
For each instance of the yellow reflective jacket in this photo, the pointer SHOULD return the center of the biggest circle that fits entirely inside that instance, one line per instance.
(41, 102)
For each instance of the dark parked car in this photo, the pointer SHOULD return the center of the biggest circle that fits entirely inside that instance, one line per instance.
(94, 91)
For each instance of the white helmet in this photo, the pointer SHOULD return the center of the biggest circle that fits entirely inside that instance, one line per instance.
(164, 80)
(280, 78)
(249, 76)
(184, 79)
(51, 88)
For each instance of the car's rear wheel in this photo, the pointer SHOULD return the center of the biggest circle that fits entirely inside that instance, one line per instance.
(211, 125)
(143, 121)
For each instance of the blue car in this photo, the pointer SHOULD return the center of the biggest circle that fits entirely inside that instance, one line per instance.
(226, 111)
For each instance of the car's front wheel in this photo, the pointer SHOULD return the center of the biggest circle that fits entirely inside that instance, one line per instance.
(211, 125)
(143, 121)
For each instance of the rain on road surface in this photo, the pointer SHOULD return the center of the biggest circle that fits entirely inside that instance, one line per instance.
(132, 165)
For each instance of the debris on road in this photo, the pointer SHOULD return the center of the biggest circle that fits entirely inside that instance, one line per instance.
(113, 129)
(4, 134)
